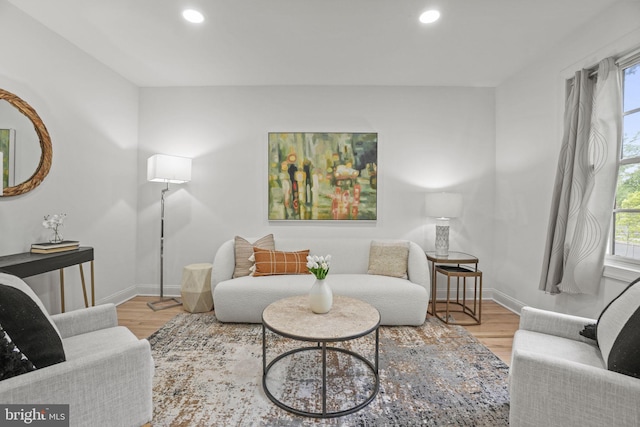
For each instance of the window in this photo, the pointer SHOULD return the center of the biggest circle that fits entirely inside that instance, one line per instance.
(626, 213)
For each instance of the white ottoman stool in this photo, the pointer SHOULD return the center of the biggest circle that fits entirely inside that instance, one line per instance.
(196, 288)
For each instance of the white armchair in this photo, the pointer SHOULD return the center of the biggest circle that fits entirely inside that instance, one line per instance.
(559, 378)
(106, 378)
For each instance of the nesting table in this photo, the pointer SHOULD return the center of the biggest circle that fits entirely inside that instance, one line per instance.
(457, 265)
(348, 319)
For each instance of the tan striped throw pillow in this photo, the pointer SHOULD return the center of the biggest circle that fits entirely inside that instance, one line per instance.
(244, 250)
(268, 263)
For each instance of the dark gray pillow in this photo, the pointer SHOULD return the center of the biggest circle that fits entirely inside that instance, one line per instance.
(29, 328)
(12, 361)
(618, 332)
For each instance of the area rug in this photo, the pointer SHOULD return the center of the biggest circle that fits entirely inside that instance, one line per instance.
(210, 374)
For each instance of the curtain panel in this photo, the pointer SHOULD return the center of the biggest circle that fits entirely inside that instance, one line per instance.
(584, 190)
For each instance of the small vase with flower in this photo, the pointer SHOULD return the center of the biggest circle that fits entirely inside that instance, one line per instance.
(320, 295)
(54, 222)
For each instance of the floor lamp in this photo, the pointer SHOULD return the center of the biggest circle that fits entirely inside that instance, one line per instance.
(167, 169)
(443, 206)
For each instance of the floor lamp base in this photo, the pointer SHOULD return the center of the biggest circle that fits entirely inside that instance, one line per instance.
(164, 303)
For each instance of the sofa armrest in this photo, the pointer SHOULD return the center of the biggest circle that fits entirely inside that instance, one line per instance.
(418, 267)
(112, 387)
(552, 323)
(86, 320)
(224, 263)
(550, 391)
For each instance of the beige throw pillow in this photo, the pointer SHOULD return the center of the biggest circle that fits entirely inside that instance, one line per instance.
(244, 250)
(389, 258)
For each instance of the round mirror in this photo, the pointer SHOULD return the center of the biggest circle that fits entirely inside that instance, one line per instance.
(26, 158)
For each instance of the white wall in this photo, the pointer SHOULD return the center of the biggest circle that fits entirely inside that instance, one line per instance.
(498, 147)
(429, 138)
(529, 109)
(92, 116)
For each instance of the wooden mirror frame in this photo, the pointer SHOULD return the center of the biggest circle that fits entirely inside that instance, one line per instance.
(45, 145)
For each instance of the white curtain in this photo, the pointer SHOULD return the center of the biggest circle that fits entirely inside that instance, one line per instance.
(584, 191)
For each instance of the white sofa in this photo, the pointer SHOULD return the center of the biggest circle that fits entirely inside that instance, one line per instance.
(399, 301)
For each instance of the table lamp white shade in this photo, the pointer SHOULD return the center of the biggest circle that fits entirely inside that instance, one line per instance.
(443, 206)
(170, 169)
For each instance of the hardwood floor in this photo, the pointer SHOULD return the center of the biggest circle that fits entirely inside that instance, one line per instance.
(140, 319)
(496, 331)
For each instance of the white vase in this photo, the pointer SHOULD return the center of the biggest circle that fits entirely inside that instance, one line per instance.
(320, 297)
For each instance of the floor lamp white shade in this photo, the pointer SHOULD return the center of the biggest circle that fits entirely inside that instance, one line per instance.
(443, 206)
(167, 169)
(164, 168)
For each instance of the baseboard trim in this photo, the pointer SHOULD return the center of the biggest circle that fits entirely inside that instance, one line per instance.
(154, 290)
(507, 302)
(488, 294)
(119, 297)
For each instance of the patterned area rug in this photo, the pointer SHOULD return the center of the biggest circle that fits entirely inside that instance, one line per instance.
(210, 374)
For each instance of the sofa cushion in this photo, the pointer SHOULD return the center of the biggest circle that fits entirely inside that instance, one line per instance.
(29, 328)
(268, 263)
(244, 250)
(618, 332)
(12, 361)
(389, 258)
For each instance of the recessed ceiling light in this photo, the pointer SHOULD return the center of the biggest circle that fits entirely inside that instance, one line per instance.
(193, 16)
(429, 16)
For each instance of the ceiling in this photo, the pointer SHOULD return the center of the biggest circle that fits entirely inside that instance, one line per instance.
(314, 42)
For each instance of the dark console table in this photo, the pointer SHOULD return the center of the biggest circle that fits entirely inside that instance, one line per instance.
(28, 264)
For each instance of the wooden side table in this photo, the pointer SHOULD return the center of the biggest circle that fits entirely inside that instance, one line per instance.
(195, 288)
(457, 259)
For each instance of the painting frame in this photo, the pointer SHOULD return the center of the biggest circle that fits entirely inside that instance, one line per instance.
(322, 176)
(8, 150)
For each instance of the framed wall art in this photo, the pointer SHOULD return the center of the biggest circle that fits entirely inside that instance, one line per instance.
(323, 176)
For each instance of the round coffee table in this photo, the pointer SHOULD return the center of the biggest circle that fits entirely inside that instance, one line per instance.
(348, 319)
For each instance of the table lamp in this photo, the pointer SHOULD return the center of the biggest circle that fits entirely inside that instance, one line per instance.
(443, 206)
(167, 169)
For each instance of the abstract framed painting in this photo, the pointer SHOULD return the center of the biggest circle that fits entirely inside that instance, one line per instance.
(323, 176)
(8, 150)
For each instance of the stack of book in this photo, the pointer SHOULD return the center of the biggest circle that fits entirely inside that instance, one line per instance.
(49, 248)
